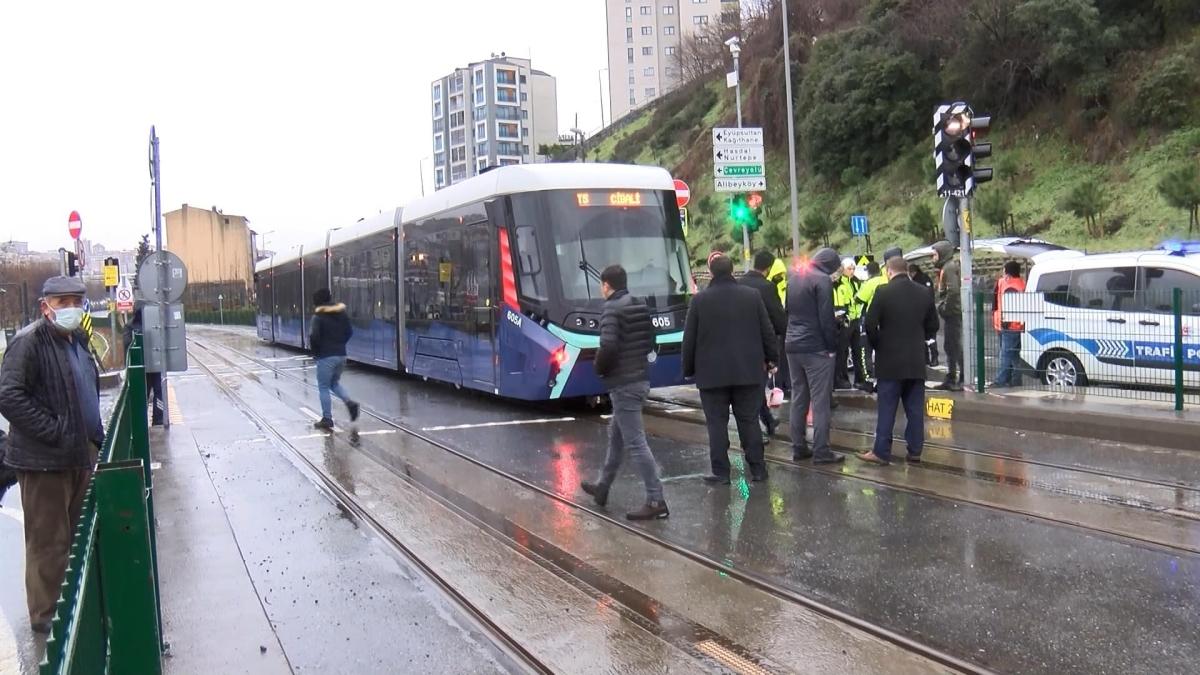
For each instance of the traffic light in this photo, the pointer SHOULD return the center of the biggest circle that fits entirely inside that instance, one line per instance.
(755, 202)
(739, 209)
(955, 151)
(72, 264)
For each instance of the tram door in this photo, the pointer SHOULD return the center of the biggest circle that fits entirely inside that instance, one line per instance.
(479, 292)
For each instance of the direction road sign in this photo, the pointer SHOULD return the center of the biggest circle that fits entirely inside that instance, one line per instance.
(737, 136)
(747, 154)
(722, 184)
(859, 226)
(683, 194)
(733, 170)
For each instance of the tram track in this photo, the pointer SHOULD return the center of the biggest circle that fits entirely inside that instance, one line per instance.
(763, 583)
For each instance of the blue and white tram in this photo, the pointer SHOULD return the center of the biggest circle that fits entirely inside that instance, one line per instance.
(493, 284)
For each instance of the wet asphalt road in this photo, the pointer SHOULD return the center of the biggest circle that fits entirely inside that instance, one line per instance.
(1012, 592)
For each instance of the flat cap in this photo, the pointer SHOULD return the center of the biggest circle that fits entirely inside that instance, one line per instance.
(63, 286)
(891, 253)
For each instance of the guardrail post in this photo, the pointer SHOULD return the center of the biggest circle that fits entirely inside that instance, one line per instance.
(127, 571)
(980, 372)
(1177, 310)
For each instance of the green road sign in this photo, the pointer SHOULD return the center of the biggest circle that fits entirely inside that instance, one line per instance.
(731, 170)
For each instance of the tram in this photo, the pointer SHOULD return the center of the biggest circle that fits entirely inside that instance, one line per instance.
(494, 283)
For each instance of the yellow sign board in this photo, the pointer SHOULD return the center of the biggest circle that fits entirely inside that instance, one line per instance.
(444, 272)
(111, 275)
(939, 408)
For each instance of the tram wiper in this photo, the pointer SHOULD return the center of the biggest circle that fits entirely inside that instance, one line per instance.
(587, 268)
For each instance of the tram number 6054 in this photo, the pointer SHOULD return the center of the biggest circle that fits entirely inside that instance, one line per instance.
(662, 321)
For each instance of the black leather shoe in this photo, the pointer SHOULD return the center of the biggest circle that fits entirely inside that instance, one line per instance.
(41, 627)
(801, 456)
(832, 459)
(598, 492)
(651, 511)
(716, 480)
(353, 408)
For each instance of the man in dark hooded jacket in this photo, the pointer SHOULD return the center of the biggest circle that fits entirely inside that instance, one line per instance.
(331, 330)
(811, 345)
(949, 307)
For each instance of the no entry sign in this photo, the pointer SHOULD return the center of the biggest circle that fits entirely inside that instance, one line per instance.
(74, 225)
(683, 194)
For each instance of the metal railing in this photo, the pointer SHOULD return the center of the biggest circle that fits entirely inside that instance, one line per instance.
(1123, 344)
(108, 618)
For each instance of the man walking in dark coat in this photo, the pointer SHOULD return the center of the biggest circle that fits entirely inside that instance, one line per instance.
(757, 279)
(622, 362)
(811, 344)
(728, 343)
(901, 318)
(50, 395)
(331, 330)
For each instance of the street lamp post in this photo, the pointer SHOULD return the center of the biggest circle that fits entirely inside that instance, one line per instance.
(735, 50)
(791, 131)
(221, 307)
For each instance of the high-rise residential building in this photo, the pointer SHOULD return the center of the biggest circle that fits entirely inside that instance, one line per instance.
(644, 41)
(491, 113)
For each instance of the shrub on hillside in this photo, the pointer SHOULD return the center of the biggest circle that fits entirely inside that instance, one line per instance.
(923, 224)
(1165, 93)
(863, 102)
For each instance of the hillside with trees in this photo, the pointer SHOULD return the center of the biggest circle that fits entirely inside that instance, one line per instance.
(1095, 110)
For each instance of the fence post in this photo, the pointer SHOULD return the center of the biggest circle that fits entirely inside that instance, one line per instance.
(980, 372)
(1177, 310)
(139, 424)
(127, 571)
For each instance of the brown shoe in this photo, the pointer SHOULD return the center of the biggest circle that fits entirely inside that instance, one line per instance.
(651, 511)
(872, 458)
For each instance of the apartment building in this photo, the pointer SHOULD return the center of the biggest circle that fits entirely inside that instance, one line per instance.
(644, 38)
(491, 113)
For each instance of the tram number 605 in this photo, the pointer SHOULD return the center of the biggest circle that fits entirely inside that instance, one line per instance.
(662, 321)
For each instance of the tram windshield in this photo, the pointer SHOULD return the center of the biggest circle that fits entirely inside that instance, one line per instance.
(592, 229)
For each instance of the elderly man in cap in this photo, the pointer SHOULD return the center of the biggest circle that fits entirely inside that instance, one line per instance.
(50, 394)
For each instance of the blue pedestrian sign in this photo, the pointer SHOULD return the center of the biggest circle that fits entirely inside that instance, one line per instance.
(858, 226)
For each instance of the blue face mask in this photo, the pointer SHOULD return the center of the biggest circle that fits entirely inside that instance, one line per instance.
(68, 318)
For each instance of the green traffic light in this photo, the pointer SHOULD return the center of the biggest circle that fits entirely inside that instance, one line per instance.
(739, 210)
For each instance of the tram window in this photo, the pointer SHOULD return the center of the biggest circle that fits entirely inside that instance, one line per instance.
(529, 258)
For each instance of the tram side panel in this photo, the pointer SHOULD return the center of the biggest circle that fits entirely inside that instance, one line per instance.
(289, 304)
(264, 324)
(364, 278)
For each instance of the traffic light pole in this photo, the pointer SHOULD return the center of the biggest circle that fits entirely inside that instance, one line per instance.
(735, 50)
(791, 131)
(967, 290)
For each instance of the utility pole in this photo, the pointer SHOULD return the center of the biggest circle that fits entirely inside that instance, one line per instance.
(156, 182)
(735, 49)
(791, 132)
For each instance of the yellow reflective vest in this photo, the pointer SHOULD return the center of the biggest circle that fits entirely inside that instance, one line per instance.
(866, 292)
(778, 276)
(844, 297)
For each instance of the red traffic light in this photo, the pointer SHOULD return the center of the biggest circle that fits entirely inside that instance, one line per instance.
(754, 200)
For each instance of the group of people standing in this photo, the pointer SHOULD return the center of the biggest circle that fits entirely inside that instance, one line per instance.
(813, 320)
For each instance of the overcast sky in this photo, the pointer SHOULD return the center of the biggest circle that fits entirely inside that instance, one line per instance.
(298, 115)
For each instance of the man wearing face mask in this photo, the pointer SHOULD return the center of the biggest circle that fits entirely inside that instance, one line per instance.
(623, 365)
(50, 394)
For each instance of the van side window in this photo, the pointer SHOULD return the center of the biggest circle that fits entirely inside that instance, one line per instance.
(1056, 286)
(1159, 284)
(1109, 288)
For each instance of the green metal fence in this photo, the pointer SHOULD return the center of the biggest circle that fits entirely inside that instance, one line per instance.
(1116, 343)
(108, 618)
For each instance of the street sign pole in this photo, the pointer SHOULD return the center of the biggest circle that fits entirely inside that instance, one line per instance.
(156, 181)
(791, 131)
(968, 300)
(735, 49)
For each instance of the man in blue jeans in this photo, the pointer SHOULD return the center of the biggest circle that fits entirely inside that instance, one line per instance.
(330, 332)
(623, 365)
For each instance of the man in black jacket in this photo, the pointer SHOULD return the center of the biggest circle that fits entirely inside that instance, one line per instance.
(623, 364)
(728, 343)
(811, 344)
(757, 279)
(901, 319)
(50, 394)
(330, 332)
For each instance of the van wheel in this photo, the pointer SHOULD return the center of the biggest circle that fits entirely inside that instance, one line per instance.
(1062, 369)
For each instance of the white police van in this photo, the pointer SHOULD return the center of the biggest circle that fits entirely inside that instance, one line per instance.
(1109, 318)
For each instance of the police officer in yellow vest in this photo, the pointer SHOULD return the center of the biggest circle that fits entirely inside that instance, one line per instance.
(848, 312)
(778, 275)
(865, 361)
